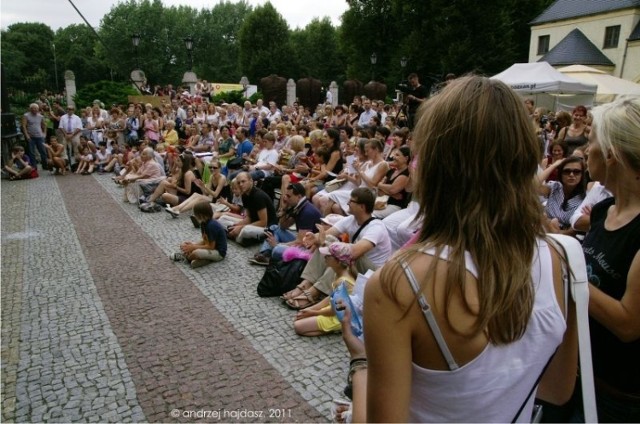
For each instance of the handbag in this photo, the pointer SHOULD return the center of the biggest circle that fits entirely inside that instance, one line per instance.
(381, 202)
(334, 184)
(578, 285)
(235, 163)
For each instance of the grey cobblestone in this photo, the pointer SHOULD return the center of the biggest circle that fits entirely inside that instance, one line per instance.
(315, 366)
(61, 313)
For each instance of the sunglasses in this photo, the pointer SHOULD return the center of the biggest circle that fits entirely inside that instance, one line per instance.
(571, 171)
(214, 167)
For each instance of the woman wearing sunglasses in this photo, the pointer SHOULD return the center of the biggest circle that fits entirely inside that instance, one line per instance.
(565, 195)
(216, 188)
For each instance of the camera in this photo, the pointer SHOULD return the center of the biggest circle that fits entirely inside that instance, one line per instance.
(403, 87)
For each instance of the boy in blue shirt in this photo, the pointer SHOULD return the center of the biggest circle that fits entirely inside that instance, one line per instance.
(212, 248)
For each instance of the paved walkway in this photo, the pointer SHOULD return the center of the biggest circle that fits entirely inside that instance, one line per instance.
(99, 325)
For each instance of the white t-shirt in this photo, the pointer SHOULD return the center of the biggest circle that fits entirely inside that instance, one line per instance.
(267, 157)
(375, 232)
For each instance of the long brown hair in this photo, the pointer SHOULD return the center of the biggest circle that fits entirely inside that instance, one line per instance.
(477, 161)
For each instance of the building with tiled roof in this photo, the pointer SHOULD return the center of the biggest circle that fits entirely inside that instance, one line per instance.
(603, 34)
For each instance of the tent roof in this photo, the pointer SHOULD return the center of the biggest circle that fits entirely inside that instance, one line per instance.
(576, 48)
(569, 9)
(540, 77)
(608, 85)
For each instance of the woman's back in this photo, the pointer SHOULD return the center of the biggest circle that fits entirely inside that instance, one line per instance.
(492, 381)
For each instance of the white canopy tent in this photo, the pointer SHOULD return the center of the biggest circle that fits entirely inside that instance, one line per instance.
(609, 87)
(548, 87)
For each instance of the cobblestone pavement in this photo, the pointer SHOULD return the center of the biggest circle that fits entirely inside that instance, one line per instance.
(99, 325)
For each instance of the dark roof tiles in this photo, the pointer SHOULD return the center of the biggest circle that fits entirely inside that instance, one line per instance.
(568, 9)
(575, 49)
(635, 34)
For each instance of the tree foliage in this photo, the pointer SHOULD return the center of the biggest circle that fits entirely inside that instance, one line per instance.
(265, 46)
(317, 52)
(108, 92)
(27, 54)
(234, 39)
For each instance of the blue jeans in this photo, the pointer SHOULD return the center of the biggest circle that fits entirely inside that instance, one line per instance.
(282, 236)
(37, 143)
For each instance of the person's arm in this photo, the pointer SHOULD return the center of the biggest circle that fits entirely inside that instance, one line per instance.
(544, 175)
(377, 177)
(558, 381)
(621, 317)
(186, 182)
(399, 184)
(43, 126)
(24, 128)
(361, 248)
(389, 355)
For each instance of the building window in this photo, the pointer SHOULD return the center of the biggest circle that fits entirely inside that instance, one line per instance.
(611, 36)
(543, 44)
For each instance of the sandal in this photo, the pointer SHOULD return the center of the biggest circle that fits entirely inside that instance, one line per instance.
(290, 294)
(303, 301)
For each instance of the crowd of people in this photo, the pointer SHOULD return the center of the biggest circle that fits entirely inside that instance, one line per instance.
(466, 308)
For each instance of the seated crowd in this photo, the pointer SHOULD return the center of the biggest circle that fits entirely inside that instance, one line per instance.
(341, 189)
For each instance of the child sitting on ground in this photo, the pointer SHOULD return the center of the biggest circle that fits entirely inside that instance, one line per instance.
(85, 167)
(212, 248)
(320, 318)
(21, 166)
(103, 157)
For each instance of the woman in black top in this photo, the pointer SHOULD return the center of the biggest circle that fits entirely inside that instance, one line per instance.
(612, 252)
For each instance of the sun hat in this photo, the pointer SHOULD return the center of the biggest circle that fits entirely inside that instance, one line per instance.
(340, 251)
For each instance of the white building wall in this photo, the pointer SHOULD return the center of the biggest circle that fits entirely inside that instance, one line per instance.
(593, 27)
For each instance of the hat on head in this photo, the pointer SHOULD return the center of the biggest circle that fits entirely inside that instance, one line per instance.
(332, 219)
(340, 251)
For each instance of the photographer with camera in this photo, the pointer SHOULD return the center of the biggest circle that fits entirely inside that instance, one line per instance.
(414, 94)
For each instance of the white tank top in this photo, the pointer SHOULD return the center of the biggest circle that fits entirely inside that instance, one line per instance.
(493, 386)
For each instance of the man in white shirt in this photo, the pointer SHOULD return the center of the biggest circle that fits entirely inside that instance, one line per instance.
(371, 247)
(274, 114)
(71, 127)
(367, 114)
(267, 158)
(261, 107)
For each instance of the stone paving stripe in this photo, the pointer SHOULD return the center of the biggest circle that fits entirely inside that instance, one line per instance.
(182, 353)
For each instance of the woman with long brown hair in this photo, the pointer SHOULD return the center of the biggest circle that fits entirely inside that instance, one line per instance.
(460, 326)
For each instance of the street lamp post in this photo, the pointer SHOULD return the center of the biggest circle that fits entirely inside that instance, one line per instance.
(403, 64)
(135, 39)
(188, 42)
(55, 66)
(374, 59)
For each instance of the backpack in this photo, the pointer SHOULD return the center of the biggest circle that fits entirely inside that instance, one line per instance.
(280, 277)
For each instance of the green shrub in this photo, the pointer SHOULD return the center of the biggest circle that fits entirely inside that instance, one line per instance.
(108, 92)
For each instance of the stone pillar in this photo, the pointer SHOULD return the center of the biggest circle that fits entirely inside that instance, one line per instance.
(291, 92)
(190, 79)
(333, 88)
(70, 87)
(244, 82)
(139, 79)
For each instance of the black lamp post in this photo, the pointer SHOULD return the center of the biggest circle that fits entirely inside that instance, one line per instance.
(403, 64)
(188, 42)
(135, 40)
(374, 59)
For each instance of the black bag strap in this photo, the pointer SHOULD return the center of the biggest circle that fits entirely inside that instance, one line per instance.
(535, 386)
(364, 224)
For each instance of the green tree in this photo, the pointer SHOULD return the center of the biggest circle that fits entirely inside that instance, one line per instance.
(108, 92)
(75, 50)
(217, 46)
(265, 46)
(317, 52)
(162, 53)
(27, 54)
